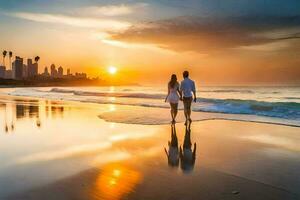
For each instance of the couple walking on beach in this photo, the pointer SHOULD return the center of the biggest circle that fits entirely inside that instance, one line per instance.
(185, 91)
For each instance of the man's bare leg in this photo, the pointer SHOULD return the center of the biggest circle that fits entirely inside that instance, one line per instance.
(189, 111)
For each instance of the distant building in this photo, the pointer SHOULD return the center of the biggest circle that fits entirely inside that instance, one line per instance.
(8, 74)
(29, 62)
(17, 70)
(2, 71)
(60, 72)
(68, 72)
(81, 75)
(46, 72)
(53, 71)
(29, 67)
(35, 69)
(32, 68)
(25, 71)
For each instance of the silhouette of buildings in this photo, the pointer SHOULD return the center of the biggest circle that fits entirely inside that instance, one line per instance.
(25, 71)
(60, 72)
(29, 68)
(2, 71)
(46, 72)
(80, 75)
(17, 70)
(32, 68)
(8, 74)
(53, 70)
(22, 71)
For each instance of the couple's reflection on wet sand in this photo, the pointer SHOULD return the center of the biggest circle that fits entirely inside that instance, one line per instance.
(182, 155)
(173, 153)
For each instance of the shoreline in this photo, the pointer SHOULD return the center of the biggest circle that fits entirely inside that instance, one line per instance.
(198, 114)
(211, 119)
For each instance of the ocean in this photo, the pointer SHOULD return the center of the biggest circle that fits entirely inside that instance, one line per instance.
(278, 103)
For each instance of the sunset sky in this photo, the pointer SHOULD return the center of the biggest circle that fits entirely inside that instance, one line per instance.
(219, 42)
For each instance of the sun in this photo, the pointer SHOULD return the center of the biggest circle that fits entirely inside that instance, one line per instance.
(112, 69)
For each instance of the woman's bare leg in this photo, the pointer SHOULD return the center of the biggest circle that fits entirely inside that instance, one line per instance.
(175, 110)
(172, 111)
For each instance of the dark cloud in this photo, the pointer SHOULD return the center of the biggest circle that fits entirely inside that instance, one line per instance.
(190, 33)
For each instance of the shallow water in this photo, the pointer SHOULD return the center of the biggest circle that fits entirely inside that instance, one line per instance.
(278, 103)
(48, 145)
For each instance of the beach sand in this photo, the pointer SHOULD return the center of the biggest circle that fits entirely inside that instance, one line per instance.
(65, 150)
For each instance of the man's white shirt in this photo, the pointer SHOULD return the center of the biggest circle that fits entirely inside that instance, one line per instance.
(187, 86)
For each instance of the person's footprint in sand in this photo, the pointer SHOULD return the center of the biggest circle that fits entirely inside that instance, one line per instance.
(173, 152)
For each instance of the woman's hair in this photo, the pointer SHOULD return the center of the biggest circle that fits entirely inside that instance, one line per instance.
(173, 81)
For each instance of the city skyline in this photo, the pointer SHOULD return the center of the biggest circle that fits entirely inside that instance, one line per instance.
(220, 43)
(18, 70)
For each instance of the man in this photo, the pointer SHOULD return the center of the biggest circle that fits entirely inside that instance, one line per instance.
(187, 89)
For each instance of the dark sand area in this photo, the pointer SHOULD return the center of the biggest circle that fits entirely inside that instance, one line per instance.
(157, 184)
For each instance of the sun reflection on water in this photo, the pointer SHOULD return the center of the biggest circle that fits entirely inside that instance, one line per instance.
(112, 99)
(115, 181)
(112, 107)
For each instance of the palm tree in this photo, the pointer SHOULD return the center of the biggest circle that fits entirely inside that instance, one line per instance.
(10, 56)
(36, 59)
(4, 55)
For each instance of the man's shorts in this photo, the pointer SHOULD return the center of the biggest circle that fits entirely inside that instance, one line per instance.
(187, 101)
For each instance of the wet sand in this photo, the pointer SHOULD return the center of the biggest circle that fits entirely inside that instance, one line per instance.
(158, 184)
(63, 150)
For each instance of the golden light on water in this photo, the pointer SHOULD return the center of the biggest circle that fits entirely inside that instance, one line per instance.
(112, 70)
(111, 89)
(115, 181)
(112, 107)
(116, 172)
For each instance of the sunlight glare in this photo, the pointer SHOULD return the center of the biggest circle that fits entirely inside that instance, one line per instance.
(116, 181)
(112, 69)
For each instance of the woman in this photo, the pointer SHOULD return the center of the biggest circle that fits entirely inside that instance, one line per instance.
(173, 96)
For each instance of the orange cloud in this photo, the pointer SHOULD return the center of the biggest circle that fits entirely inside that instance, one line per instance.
(102, 24)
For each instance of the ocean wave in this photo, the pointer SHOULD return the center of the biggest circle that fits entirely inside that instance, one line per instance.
(129, 93)
(228, 91)
(285, 110)
(292, 98)
(282, 110)
(109, 94)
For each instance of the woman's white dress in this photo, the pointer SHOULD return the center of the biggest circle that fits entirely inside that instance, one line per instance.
(173, 96)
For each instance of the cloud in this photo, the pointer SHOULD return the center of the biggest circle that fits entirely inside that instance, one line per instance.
(111, 10)
(99, 23)
(273, 46)
(285, 34)
(127, 45)
(200, 34)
